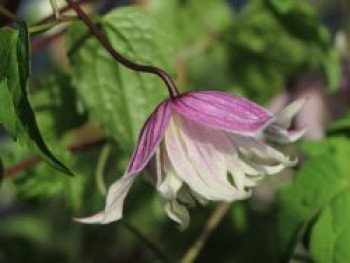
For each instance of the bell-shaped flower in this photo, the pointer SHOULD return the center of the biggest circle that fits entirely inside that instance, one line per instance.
(207, 146)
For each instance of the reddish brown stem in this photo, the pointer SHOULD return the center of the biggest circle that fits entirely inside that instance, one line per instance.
(173, 92)
(32, 161)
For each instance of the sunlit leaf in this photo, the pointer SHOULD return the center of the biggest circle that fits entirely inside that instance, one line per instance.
(321, 179)
(116, 98)
(330, 236)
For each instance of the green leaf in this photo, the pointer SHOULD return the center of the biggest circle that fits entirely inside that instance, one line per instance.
(283, 6)
(301, 21)
(331, 69)
(321, 179)
(330, 236)
(116, 98)
(341, 125)
(30, 227)
(55, 102)
(2, 171)
(16, 113)
(190, 20)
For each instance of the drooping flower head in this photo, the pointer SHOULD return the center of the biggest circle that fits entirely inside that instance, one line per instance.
(207, 146)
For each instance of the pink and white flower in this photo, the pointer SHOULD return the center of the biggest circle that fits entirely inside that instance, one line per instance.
(207, 146)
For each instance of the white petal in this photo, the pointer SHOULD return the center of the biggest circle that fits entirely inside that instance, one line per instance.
(115, 198)
(280, 135)
(168, 183)
(114, 204)
(252, 146)
(94, 219)
(178, 213)
(261, 169)
(170, 186)
(207, 154)
(183, 153)
(284, 117)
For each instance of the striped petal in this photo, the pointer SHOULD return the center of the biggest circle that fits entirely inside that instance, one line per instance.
(150, 137)
(223, 111)
(193, 151)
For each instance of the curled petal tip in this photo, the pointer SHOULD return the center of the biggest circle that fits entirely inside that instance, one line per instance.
(296, 134)
(94, 219)
(285, 137)
(284, 117)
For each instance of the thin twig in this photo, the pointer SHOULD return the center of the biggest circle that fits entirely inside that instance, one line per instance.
(32, 161)
(213, 221)
(173, 92)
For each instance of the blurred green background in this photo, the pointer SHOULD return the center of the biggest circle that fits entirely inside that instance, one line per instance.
(270, 51)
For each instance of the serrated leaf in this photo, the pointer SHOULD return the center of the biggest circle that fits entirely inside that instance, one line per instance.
(330, 236)
(320, 180)
(116, 98)
(16, 113)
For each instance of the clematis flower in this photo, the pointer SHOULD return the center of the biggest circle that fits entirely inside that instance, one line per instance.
(207, 146)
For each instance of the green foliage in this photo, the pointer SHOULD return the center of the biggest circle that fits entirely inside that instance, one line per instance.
(301, 21)
(55, 102)
(1, 170)
(314, 196)
(331, 233)
(16, 114)
(269, 47)
(116, 98)
(283, 6)
(254, 52)
(341, 125)
(178, 15)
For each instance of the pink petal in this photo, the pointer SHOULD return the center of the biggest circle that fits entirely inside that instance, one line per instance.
(223, 111)
(150, 137)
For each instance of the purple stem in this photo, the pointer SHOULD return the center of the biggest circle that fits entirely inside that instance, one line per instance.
(173, 92)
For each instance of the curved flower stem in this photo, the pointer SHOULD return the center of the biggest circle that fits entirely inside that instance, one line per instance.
(173, 92)
(100, 170)
(213, 221)
(146, 241)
